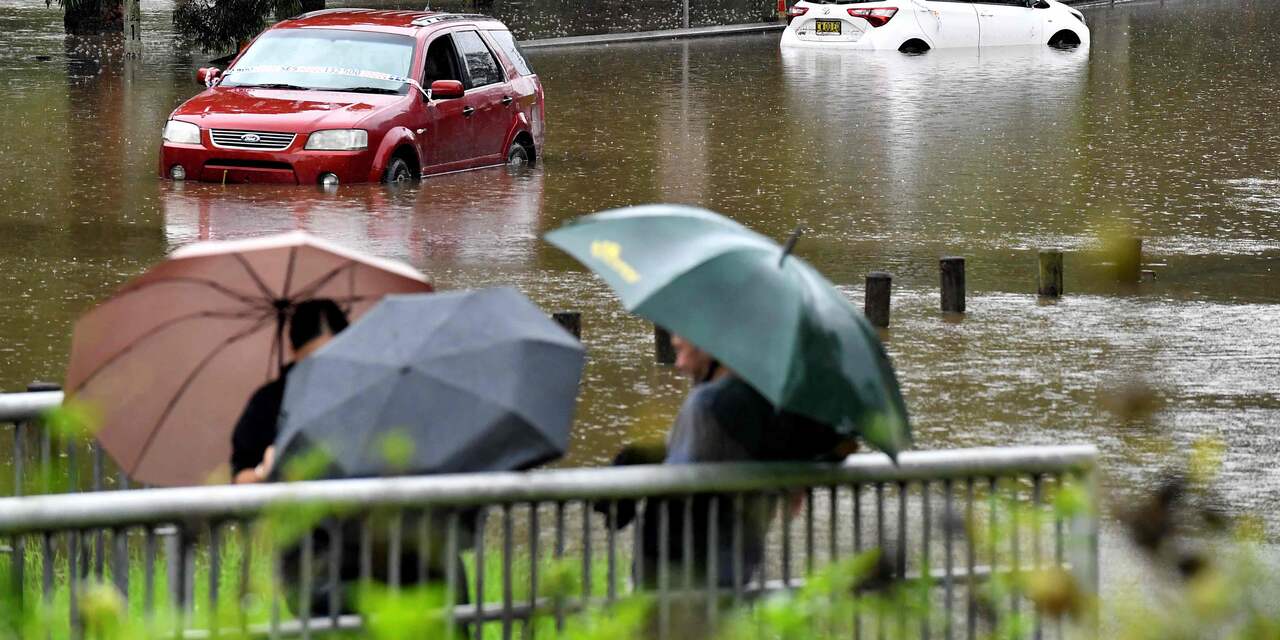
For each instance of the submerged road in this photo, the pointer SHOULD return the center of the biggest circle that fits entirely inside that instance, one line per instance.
(891, 161)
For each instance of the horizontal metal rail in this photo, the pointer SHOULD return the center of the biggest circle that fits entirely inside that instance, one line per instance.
(127, 508)
(19, 407)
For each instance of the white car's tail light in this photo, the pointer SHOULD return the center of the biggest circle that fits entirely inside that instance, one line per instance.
(876, 17)
(796, 12)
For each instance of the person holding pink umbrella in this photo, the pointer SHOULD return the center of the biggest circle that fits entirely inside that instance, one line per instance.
(312, 324)
(170, 359)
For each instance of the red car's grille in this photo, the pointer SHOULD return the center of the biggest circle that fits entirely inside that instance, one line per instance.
(257, 140)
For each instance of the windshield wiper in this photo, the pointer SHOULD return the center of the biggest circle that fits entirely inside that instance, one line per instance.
(273, 86)
(383, 90)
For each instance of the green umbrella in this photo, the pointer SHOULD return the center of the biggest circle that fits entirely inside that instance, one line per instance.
(769, 316)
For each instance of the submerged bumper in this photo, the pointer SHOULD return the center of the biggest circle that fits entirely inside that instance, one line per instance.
(805, 33)
(295, 165)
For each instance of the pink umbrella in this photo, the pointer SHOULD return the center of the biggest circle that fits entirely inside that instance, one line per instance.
(170, 361)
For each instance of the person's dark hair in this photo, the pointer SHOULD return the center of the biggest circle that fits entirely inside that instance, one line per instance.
(312, 318)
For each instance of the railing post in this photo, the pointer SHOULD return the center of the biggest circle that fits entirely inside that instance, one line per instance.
(1128, 260)
(571, 321)
(1049, 282)
(133, 28)
(175, 561)
(952, 272)
(876, 306)
(19, 455)
(1082, 549)
(663, 352)
(46, 441)
(19, 562)
(17, 571)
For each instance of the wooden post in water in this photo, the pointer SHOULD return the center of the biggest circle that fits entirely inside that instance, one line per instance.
(133, 28)
(952, 270)
(663, 352)
(876, 307)
(1129, 260)
(571, 321)
(1050, 280)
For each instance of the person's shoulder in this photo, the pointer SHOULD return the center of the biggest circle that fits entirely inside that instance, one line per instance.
(714, 398)
(697, 408)
(722, 402)
(732, 396)
(263, 404)
(272, 389)
(701, 394)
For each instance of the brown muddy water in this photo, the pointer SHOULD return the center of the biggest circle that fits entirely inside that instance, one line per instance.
(1165, 128)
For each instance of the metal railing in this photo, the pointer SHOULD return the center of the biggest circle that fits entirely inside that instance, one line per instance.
(954, 519)
(42, 462)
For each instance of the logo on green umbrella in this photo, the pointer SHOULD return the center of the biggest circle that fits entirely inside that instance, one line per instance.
(610, 253)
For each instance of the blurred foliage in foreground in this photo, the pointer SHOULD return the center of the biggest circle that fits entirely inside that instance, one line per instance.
(1208, 575)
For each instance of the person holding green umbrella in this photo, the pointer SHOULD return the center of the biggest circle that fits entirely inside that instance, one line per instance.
(789, 368)
(725, 419)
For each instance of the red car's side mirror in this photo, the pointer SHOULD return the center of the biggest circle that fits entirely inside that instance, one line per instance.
(207, 76)
(447, 90)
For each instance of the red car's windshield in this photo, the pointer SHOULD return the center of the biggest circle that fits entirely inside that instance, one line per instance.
(325, 59)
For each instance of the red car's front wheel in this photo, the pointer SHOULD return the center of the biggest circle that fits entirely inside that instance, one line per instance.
(398, 172)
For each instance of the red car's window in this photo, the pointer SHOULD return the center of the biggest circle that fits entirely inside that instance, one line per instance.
(479, 61)
(507, 43)
(441, 61)
(325, 59)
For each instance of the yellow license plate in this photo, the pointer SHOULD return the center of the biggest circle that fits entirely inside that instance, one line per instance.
(826, 27)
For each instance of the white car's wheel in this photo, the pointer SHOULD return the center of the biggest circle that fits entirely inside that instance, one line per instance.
(914, 46)
(1065, 38)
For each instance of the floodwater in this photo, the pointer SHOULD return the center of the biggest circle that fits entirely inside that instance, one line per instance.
(1165, 129)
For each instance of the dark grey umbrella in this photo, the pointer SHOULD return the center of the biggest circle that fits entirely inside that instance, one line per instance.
(440, 383)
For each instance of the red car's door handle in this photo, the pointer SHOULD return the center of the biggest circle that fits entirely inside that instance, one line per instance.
(506, 100)
(467, 111)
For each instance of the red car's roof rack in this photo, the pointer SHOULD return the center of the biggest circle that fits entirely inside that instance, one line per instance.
(441, 17)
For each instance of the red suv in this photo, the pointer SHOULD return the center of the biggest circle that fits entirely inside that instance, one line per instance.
(359, 95)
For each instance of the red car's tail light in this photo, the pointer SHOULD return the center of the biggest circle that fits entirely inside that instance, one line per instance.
(877, 17)
(796, 12)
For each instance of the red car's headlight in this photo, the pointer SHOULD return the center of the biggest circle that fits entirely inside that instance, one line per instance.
(181, 132)
(338, 140)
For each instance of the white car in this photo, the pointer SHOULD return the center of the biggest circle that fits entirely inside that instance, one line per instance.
(919, 25)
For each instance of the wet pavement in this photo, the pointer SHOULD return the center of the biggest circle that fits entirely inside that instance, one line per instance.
(1165, 129)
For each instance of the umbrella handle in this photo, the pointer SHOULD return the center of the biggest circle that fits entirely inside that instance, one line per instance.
(791, 243)
(283, 308)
